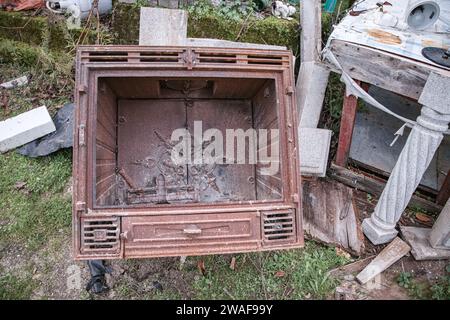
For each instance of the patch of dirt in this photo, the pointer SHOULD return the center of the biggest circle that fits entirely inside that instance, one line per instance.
(385, 286)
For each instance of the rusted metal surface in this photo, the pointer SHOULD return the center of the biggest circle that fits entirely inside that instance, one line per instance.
(130, 201)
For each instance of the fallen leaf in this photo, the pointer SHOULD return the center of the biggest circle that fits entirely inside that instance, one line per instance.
(342, 253)
(422, 217)
(201, 266)
(20, 185)
(233, 263)
(280, 274)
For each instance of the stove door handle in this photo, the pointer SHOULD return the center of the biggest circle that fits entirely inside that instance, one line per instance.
(192, 230)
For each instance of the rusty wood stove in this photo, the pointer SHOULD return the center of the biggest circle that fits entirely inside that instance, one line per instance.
(132, 201)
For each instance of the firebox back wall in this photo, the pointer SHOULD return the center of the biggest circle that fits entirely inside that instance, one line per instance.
(133, 134)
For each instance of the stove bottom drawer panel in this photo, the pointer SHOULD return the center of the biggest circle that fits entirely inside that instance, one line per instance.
(191, 234)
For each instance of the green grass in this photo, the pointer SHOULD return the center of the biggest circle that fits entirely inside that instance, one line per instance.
(51, 74)
(39, 209)
(15, 288)
(286, 274)
(439, 290)
(32, 201)
(292, 274)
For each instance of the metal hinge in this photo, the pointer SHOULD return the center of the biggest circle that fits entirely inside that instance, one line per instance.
(82, 88)
(82, 135)
(80, 207)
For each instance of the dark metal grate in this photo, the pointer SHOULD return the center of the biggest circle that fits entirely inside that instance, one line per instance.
(100, 235)
(265, 60)
(157, 56)
(278, 225)
(210, 57)
(108, 56)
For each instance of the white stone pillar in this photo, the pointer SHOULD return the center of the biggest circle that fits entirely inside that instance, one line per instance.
(414, 159)
(440, 233)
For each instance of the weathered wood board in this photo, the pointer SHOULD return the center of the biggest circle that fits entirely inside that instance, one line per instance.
(375, 186)
(330, 214)
(386, 70)
(386, 258)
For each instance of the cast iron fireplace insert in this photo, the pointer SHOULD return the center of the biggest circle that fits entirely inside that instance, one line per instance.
(135, 105)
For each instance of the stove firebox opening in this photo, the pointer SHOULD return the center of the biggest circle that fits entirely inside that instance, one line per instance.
(186, 140)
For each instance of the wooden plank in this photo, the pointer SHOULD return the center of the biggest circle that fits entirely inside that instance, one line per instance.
(386, 70)
(330, 214)
(375, 186)
(385, 175)
(348, 117)
(386, 258)
(351, 268)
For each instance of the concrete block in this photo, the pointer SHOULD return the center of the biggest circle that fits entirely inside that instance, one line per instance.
(25, 128)
(435, 94)
(311, 86)
(418, 239)
(314, 145)
(376, 233)
(206, 42)
(162, 27)
(440, 233)
(386, 258)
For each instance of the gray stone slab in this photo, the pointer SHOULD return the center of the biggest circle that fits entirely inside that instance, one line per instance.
(162, 27)
(418, 239)
(314, 146)
(311, 87)
(374, 131)
(436, 93)
(206, 42)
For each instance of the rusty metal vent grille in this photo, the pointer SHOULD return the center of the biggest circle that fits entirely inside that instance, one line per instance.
(197, 56)
(100, 235)
(278, 226)
(265, 60)
(157, 56)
